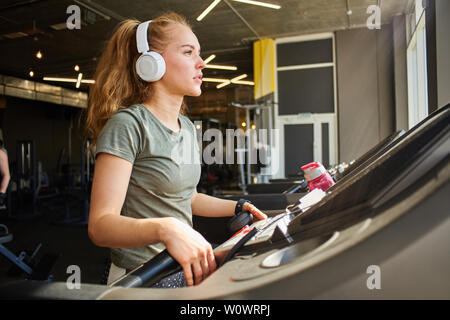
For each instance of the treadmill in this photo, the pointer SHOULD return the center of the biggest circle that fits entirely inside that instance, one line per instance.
(389, 214)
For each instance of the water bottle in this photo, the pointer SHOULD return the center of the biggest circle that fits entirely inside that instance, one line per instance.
(317, 176)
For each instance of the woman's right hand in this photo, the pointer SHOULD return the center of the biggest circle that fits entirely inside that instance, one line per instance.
(189, 249)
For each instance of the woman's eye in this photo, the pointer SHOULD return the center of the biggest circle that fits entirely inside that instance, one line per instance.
(189, 52)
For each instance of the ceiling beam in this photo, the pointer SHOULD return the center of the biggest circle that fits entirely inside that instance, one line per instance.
(38, 25)
(100, 10)
(19, 4)
(242, 18)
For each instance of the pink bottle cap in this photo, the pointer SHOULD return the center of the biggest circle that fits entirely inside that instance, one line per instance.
(313, 170)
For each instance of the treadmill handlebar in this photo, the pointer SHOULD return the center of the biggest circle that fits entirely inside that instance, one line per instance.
(150, 272)
(163, 264)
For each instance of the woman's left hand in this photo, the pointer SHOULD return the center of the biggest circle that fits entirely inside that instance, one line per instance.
(257, 214)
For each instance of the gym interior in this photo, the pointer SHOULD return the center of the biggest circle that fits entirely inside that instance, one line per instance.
(357, 90)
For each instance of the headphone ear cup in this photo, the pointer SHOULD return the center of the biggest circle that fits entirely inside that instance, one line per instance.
(150, 66)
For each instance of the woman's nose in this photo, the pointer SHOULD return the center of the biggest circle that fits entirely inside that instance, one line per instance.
(201, 64)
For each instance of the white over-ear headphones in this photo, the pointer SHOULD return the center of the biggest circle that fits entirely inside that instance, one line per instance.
(150, 66)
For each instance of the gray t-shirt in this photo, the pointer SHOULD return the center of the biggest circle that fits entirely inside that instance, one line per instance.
(166, 171)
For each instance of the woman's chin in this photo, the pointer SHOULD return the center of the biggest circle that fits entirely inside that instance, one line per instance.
(195, 93)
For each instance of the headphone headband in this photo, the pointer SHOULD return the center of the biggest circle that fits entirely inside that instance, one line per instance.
(141, 37)
(150, 66)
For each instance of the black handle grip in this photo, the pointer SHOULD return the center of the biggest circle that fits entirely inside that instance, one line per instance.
(238, 222)
(151, 272)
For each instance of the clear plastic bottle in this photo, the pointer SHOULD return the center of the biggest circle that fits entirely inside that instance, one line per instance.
(317, 176)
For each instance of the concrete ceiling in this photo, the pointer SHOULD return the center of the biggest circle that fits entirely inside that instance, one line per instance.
(228, 31)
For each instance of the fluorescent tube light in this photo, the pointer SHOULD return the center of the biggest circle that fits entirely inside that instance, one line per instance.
(207, 10)
(60, 79)
(242, 76)
(80, 76)
(249, 83)
(214, 80)
(216, 66)
(258, 3)
(223, 84)
(209, 59)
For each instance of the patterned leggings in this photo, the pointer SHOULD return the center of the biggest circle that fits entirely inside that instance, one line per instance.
(175, 280)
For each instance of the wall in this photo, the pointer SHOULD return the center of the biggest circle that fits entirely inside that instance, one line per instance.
(365, 80)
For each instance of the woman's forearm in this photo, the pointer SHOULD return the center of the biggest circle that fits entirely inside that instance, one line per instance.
(116, 231)
(208, 206)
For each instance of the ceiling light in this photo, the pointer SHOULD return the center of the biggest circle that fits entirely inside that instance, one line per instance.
(68, 80)
(39, 54)
(258, 3)
(77, 68)
(223, 84)
(59, 79)
(349, 12)
(214, 80)
(249, 83)
(88, 81)
(238, 78)
(31, 73)
(243, 124)
(207, 60)
(216, 66)
(207, 10)
(80, 76)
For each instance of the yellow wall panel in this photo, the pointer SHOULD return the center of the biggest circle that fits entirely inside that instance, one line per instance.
(264, 67)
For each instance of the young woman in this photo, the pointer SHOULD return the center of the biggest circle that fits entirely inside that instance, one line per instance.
(142, 200)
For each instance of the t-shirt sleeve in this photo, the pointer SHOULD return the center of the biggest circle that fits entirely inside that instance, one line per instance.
(121, 136)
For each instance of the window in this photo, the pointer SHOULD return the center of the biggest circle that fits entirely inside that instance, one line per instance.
(417, 68)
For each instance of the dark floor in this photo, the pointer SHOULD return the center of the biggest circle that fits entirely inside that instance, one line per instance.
(71, 242)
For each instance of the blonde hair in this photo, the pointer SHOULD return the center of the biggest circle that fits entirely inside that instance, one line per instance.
(117, 84)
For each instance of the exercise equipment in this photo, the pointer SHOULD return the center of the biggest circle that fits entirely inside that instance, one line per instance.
(351, 202)
(293, 186)
(163, 265)
(239, 221)
(27, 263)
(78, 196)
(213, 229)
(379, 148)
(390, 212)
(27, 180)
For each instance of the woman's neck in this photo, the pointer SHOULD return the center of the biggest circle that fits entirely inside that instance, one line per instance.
(166, 108)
